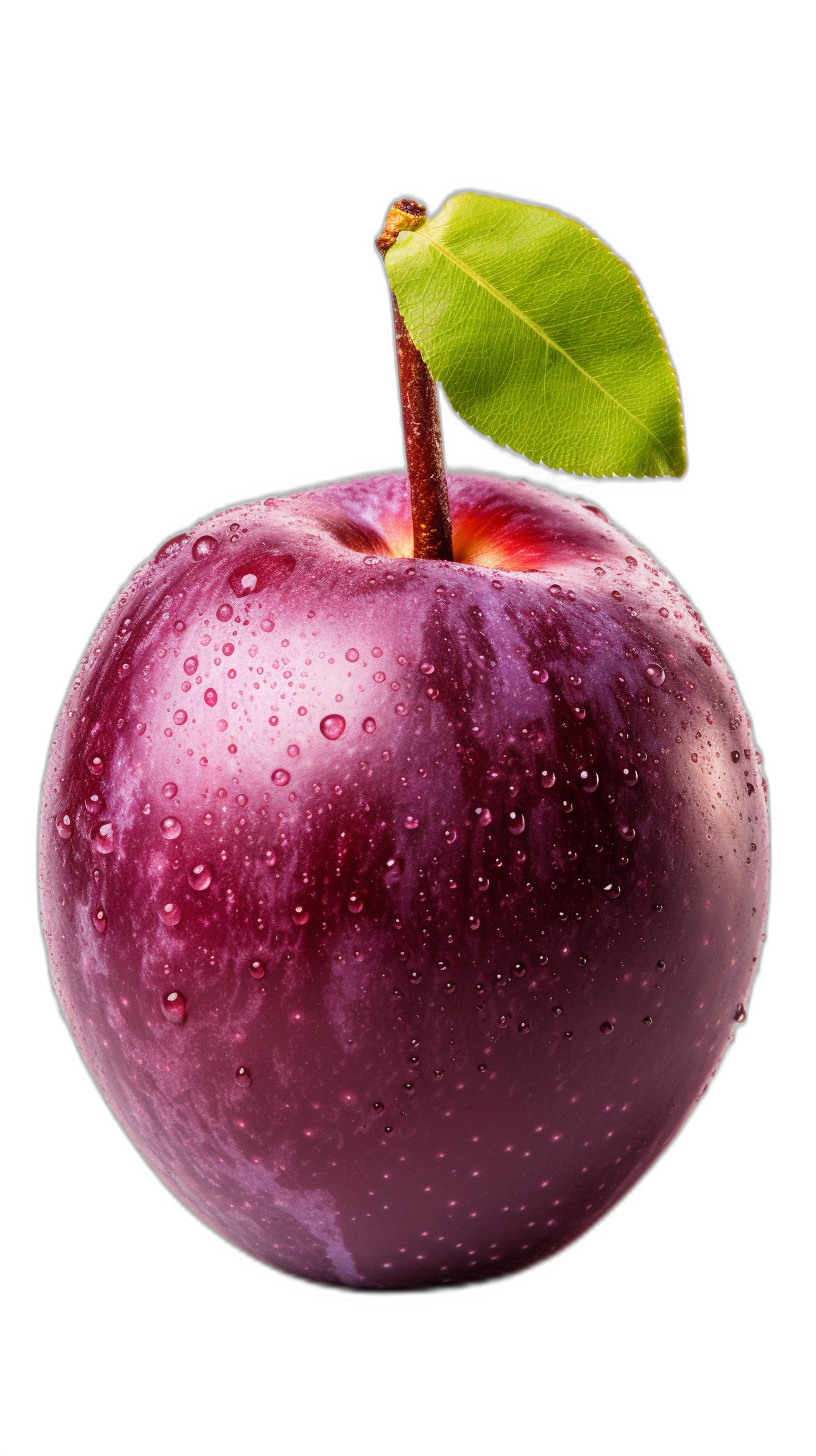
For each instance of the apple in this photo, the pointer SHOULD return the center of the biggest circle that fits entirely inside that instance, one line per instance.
(403, 909)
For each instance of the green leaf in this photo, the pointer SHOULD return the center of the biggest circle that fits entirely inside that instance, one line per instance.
(540, 336)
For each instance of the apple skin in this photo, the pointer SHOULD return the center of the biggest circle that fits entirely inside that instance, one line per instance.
(511, 988)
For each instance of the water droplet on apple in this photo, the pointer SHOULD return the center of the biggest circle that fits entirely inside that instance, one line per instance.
(103, 838)
(257, 969)
(629, 776)
(267, 625)
(204, 546)
(270, 858)
(379, 677)
(65, 827)
(280, 777)
(170, 828)
(450, 835)
(588, 780)
(352, 655)
(170, 912)
(540, 675)
(224, 612)
(355, 904)
(611, 891)
(333, 726)
(483, 816)
(170, 790)
(547, 778)
(515, 821)
(179, 717)
(174, 1007)
(606, 1027)
(100, 921)
(199, 876)
(655, 674)
(96, 764)
(369, 725)
(739, 1014)
(411, 822)
(300, 915)
(191, 666)
(626, 832)
(482, 883)
(426, 667)
(210, 697)
(243, 1077)
(293, 750)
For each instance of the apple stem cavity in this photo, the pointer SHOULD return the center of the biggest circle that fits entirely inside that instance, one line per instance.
(420, 415)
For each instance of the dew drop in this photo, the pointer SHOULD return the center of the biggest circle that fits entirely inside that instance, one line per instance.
(280, 777)
(547, 778)
(450, 835)
(354, 904)
(267, 625)
(739, 1014)
(369, 725)
(629, 776)
(170, 790)
(257, 969)
(300, 915)
(515, 821)
(179, 717)
(103, 838)
(606, 1027)
(65, 826)
(96, 764)
(174, 1007)
(224, 612)
(352, 655)
(199, 876)
(170, 828)
(293, 750)
(243, 1077)
(540, 675)
(333, 726)
(411, 822)
(204, 546)
(483, 816)
(611, 891)
(100, 921)
(655, 674)
(626, 832)
(170, 913)
(210, 697)
(191, 666)
(588, 780)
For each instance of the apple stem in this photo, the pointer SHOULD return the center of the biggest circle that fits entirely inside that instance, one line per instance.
(420, 415)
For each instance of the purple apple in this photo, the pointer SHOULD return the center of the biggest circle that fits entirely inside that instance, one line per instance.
(402, 909)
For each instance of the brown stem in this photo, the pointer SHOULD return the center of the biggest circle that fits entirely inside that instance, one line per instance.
(420, 416)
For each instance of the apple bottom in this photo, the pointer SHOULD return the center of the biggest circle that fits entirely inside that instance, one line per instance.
(528, 1117)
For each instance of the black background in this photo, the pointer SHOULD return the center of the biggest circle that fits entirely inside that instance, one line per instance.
(214, 328)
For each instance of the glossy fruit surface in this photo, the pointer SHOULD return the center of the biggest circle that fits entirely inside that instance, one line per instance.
(402, 909)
